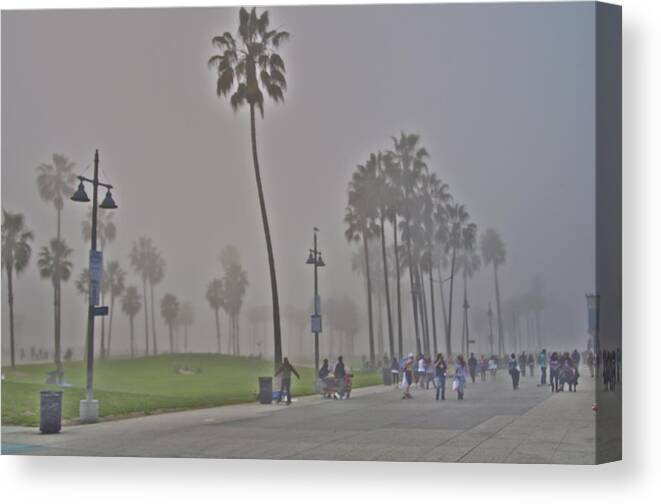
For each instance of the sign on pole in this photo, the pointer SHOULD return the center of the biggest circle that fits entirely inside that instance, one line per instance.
(315, 323)
(96, 273)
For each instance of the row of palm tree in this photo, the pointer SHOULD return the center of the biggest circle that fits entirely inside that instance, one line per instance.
(227, 293)
(430, 232)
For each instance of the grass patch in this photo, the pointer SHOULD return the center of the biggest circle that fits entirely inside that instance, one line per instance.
(148, 384)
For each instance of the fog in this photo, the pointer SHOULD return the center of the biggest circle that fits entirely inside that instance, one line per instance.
(502, 99)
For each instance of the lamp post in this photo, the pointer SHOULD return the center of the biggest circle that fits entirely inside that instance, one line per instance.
(89, 408)
(315, 321)
(490, 314)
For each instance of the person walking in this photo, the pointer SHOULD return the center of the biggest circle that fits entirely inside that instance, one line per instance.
(472, 366)
(460, 370)
(394, 369)
(541, 362)
(483, 365)
(407, 376)
(286, 369)
(420, 372)
(493, 366)
(554, 366)
(440, 371)
(522, 363)
(531, 364)
(589, 360)
(576, 358)
(515, 371)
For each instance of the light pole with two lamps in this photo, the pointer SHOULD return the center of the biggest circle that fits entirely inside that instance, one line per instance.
(315, 321)
(89, 408)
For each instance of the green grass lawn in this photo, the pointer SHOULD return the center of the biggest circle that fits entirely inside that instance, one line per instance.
(147, 385)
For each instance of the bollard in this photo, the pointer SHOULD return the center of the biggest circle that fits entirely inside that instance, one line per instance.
(51, 412)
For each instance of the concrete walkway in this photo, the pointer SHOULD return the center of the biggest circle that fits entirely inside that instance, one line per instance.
(493, 424)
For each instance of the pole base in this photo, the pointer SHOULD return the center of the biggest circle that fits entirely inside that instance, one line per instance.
(89, 411)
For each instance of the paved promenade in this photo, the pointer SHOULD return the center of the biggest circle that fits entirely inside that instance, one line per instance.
(493, 424)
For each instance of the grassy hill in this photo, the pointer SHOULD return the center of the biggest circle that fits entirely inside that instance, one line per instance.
(147, 385)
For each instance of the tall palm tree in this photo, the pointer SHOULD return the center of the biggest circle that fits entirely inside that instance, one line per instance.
(411, 159)
(140, 257)
(470, 263)
(131, 306)
(457, 219)
(16, 253)
(170, 311)
(235, 283)
(54, 264)
(215, 295)
(384, 197)
(55, 182)
(186, 317)
(155, 274)
(115, 278)
(246, 67)
(359, 218)
(493, 252)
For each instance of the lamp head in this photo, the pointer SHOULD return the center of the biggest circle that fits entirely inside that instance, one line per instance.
(80, 195)
(108, 203)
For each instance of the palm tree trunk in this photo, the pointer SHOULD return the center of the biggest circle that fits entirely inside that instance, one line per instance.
(217, 329)
(539, 330)
(369, 296)
(144, 295)
(238, 340)
(449, 341)
(186, 338)
(413, 293)
(400, 341)
(391, 341)
(379, 341)
(501, 341)
(56, 309)
(112, 310)
(423, 311)
(132, 345)
(433, 308)
(171, 338)
(464, 325)
(153, 320)
(277, 342)
(102, 350)
(10, 299)
(445, 313)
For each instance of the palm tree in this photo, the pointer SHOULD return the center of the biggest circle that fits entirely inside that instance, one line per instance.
(384, 196)
(140, 257)
(170, 311)
(411, 159)
(235, 283)
(155, 273)
(457, 219)
(214, 295)
(82, 284)
(186, 317)
(54, 263)
(55, 182)
(115, 278)
(245, 68)
(469, 262)
(131, 306)
(493, 252)
(16, 253)
(359, 218)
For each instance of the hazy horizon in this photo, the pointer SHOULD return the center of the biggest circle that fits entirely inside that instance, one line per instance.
(502, 99)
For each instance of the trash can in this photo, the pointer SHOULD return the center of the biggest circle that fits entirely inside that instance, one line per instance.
(387, 376)
(51, 412)
(265, 390)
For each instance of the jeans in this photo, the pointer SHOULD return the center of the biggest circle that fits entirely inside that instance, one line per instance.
(440, 386)
(285, 388)
(515, 378)
(554, 380)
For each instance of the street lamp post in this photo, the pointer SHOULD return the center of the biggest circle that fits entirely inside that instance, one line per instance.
(89, 408)
(490, 314)
(315, 323)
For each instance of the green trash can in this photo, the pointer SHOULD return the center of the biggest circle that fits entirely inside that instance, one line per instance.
(51, 412)
(265, 390)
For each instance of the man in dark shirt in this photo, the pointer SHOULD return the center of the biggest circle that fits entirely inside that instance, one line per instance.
(285, 387)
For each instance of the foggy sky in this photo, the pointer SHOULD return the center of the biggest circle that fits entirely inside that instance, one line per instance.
(502, 96)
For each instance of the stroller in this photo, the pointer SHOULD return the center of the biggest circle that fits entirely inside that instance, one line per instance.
(337, 388)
